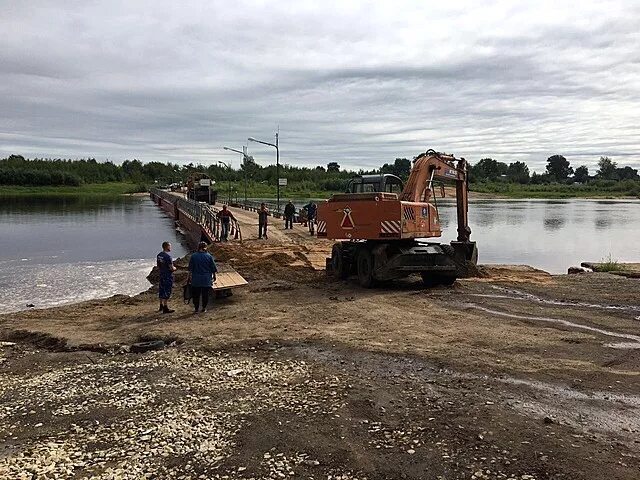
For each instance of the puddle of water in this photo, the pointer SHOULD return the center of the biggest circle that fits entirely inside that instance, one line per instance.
(627, 336)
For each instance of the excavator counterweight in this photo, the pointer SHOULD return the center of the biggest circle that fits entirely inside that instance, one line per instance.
(383, 235)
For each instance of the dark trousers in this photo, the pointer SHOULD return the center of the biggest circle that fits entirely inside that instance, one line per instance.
(312, 223)
(225, 231)
(198, 292)
(262, 229)
(288, 222)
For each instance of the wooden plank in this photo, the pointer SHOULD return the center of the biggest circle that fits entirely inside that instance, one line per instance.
(227, 277)
(226, 280)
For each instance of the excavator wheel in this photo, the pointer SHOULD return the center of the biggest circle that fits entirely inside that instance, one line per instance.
(364, 266)
(432, 279)
(338, 264)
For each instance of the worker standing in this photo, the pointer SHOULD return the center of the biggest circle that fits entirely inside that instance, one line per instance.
(289, 212)
(202, 274)
(166, 269)
(263, 214)
(312, 212)
(225, 217)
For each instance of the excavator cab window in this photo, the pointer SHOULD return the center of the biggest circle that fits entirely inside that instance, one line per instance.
(375, 183)
(393, 185)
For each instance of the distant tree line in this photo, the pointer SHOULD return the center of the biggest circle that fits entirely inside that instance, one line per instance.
(17, 170)
(558, 170)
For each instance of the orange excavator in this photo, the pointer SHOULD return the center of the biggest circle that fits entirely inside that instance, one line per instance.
(385, 235)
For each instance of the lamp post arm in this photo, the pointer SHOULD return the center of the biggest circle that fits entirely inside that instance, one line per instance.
(251, 139)
(233, 150)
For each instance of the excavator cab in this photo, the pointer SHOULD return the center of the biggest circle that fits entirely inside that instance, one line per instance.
(375, 183)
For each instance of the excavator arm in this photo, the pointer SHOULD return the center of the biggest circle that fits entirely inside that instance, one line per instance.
(430, 166)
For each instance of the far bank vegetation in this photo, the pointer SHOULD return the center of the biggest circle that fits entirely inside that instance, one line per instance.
(560, 178)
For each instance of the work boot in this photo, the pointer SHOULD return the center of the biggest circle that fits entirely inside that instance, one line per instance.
(161, 308)
(167, 310)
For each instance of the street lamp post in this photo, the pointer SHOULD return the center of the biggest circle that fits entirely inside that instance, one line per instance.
(244, 160)
(251, 139)
(228, 165)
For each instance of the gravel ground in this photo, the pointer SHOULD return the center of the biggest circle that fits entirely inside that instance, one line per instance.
(169, 414)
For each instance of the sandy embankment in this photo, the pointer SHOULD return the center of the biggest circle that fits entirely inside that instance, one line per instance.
(518, 374)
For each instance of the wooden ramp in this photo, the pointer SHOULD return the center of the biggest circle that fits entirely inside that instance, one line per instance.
(227, 278)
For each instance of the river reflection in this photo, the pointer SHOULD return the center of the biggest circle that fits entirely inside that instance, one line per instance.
(550, 234)
(56, 251)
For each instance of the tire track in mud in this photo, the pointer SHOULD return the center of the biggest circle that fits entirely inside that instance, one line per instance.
(633, 344)
(514, 294)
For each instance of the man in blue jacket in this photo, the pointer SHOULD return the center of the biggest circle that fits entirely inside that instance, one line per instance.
(166, 269)
(202, 274)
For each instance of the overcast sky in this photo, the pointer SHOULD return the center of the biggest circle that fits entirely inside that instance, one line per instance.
(354, 82)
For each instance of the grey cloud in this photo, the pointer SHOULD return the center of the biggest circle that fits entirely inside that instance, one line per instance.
(160, 81)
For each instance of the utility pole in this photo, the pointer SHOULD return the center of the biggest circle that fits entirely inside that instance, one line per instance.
(276, 146)
(244, 159)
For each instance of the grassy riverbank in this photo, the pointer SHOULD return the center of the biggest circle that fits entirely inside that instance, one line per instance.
(624, 189)
(89, 189)
(598, 189)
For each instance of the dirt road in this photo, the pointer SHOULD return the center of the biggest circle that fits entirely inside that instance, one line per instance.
(518, 374)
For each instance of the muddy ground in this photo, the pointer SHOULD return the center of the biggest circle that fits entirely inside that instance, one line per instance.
(517, 374)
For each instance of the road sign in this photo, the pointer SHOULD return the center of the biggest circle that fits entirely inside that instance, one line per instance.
(282, 182)
(205, 182)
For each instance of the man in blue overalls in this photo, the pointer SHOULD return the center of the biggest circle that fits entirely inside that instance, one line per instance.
(166, 269)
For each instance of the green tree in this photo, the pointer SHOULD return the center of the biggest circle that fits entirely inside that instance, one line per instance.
(539, 179)
(581, 175)
(333, 167)
(559, 168)
(518, 172)
(627, 173)
(249, 167)
(606, 169)
(401, 167)
(488, 169)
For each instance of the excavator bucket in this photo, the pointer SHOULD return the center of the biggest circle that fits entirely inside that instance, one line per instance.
(465, 256)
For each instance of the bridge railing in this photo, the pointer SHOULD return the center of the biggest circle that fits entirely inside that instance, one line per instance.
(202, 214)
(254, 206)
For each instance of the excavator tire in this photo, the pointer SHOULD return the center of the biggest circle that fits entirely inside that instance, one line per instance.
(364, 267)
(338, 263)
(432, 279)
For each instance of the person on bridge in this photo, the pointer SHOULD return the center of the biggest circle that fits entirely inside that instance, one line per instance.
(312, 212)
(289, 212)
(202, 275)
(225, 217)
(166, 269)
(263, 214)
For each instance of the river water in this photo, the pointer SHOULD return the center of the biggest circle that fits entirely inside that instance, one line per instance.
(54, 252)
(552, 235)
